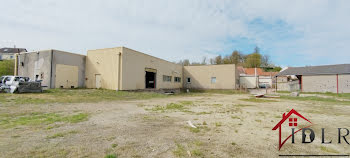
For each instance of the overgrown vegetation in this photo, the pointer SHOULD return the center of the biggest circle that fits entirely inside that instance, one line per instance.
(252, 60)
(7, 67)
(258, 100)
(33, 119)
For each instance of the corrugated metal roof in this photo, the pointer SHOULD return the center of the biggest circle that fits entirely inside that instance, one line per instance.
(317, 70)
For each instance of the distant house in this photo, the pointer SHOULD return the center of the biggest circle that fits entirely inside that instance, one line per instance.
(9, 53)
(325, 78)
(256, 77)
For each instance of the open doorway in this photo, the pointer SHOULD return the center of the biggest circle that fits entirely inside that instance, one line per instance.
(150, 79)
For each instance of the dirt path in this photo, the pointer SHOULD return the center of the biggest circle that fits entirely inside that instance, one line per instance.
(227, 127)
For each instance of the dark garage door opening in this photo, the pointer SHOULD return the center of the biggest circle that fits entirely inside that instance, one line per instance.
(150, 79)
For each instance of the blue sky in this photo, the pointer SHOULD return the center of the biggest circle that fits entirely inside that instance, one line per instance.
(292, 33)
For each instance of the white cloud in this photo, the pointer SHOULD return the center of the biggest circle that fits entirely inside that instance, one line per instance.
(181, 29)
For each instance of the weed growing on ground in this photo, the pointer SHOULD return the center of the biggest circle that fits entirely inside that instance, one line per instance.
(179, 151)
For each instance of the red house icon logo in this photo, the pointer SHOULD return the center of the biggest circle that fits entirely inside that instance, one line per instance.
(292, 120)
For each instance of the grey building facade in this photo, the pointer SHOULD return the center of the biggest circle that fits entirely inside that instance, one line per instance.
(56, 69)
(325, 78)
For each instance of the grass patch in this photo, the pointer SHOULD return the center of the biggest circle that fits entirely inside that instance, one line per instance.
(328, 149)
(33, 119)
(173, 107)
(197, 152)
(316, 99)
(203, 113)
(58, 135)
(218, 124)
(340, 95)
(111, 156)
(114, 145)
(186, 102)
(76, 96)
(218, 91)
(179, 151)
(235, 117)
(242, 105)
(258, 100)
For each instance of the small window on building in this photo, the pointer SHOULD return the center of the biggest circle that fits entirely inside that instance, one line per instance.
(167, 78)
(188, 80)
(177, 79)
(213, 79)
(22, 63)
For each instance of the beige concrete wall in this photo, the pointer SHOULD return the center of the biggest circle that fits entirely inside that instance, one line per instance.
(319, 83)
(104, 62)
(226, 76)
(133, 70)
(344, 83)
(66, 76)
(131, 73)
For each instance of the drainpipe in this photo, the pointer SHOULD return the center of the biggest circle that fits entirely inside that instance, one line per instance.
(16, 64)
(301, 83)
(119, 69)
(51, 69)
(337, 84)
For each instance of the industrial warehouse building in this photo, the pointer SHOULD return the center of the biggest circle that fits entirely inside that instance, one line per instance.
(326, 78)
(122, 68)
(56, 69)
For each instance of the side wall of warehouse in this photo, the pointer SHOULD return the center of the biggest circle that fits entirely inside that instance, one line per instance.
(102, 65)
(68, 77)
(211, 77)
(134, 65)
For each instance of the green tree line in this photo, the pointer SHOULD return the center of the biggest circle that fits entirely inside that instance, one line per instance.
(252, 60)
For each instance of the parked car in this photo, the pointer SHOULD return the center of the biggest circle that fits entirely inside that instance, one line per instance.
(19, 84)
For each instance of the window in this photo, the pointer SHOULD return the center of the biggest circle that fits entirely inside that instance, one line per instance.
(213, 79)
(293, 122)
(188, 80)
(177, 79)
(166, 78)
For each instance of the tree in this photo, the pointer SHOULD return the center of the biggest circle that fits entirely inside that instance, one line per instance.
(7, 67)
(204, 61)
(186, 62)
(227, 60)
(218, 60)
(211, 61)
(253, 60)
(265, 61)
(235, 57)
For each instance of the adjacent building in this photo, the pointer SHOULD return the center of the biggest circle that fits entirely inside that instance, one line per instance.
(211, 77)
(9, 53)
(256, 78)
(122, 68)
(56, 69)
(325, 78)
